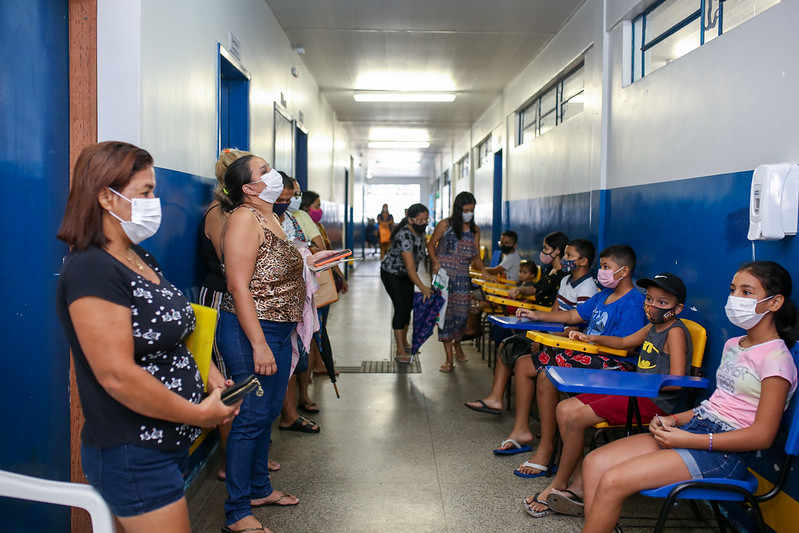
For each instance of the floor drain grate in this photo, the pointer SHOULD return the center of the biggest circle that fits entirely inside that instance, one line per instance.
(389, 367)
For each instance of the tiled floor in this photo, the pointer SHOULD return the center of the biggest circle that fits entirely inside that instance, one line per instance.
(397, 452)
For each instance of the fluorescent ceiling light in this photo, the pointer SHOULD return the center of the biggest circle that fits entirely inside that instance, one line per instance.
(403, 97)
(399, 144)
(404, 81)
(398, 134)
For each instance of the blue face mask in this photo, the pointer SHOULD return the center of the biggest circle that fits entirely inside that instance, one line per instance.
(279, 209)
(567, 265)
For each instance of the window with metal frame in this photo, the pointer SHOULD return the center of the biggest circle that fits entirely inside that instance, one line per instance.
(559, 101)
(669, 29)
(462, 167)
(484, 152)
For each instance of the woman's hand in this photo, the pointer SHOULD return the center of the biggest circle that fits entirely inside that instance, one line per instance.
(212, 412)
(426, 291)
(264, 360)
(526, 313)
(318, 256)
(436, 264)
(579, 336)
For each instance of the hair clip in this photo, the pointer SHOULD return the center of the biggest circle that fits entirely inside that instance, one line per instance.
(224, 190)
(227, 150)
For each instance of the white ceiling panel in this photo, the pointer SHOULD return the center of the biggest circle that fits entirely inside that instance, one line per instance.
(479, 45)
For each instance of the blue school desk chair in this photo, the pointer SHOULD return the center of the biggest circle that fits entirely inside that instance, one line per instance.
(715, 490)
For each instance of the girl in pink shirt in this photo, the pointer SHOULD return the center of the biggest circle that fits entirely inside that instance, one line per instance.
(754, 383)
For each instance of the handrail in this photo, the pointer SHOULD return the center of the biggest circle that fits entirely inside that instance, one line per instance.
(60, 493)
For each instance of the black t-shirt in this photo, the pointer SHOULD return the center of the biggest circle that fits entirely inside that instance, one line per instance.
(547, 287)
(161, 318)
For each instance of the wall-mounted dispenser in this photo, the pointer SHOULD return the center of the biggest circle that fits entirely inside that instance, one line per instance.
(774, 202)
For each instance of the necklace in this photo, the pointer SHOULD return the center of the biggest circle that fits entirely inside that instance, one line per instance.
(746, 337)
(134, 260)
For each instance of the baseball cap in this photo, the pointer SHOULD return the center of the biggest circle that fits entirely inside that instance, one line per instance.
(668, 282)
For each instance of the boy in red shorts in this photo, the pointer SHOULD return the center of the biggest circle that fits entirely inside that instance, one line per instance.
(666, 349)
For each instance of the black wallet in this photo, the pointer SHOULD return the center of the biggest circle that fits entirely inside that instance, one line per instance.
(239, 390)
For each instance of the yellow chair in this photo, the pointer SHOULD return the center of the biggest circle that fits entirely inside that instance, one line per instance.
(698, 342)
(201, 345)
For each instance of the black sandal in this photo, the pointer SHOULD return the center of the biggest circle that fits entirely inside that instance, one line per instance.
(302, 424)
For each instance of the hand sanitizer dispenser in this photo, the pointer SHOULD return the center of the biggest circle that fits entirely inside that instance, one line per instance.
(774, 202)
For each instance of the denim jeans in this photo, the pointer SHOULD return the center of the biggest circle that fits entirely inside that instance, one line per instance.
(247, 450)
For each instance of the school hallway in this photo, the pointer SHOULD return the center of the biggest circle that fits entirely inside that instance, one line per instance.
(398, 451)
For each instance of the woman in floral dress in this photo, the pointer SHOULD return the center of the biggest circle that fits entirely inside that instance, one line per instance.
(453, 247)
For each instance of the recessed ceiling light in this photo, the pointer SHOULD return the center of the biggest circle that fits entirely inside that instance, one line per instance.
(399, 144)
(403, 97)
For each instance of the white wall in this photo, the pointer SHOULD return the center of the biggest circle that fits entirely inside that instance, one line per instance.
(178, 83)
(729, 105)
(566, 159)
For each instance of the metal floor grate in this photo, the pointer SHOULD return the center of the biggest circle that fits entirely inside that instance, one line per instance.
(382, 367)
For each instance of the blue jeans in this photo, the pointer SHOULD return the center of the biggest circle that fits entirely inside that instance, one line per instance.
(247, 451)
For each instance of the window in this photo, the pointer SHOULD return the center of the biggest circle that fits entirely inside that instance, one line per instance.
(462, 167)
(484, 152)
(669, 29)
(560, 101)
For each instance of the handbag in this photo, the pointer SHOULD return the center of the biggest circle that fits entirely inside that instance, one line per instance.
(327, 293)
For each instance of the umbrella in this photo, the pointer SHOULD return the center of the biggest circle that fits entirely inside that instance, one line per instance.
(326, 352)
(425, 314)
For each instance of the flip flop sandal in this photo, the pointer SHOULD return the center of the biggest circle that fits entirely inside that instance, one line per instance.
(517, 448)
(565, 502)
(309, 407)
(532, 512)
(446, 367)
(301, 426)
(542, 470)
(483, 408)
(226, 529)
(277, 503)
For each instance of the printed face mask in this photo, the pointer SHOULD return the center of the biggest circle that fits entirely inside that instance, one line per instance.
(567, 265)
(316, 214)
(656, 315)
(145, 217)
(606, 279)
(742, 311)
(274, 186)
(294, 204)
(467, 217)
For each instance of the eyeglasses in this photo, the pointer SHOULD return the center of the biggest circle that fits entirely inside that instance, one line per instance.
(297, 194)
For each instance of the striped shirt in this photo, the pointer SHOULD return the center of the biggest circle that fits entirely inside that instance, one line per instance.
(574, 292)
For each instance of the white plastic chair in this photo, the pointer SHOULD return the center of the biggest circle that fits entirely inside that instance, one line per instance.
(59, 493)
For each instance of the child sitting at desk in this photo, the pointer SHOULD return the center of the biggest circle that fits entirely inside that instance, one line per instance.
(754, 384)
(618, 310)
(545, 289)
(666, 349)
(577, 287)
(509, 266)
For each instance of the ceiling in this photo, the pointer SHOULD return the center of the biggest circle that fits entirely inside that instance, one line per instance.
(470, 47)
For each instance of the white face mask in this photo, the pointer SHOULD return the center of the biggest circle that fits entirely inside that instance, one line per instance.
(742, 311)
(274, 186)
(145, 217)
(294, 204)
(467, 217)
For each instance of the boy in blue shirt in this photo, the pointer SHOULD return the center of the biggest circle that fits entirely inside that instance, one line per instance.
(618, 310)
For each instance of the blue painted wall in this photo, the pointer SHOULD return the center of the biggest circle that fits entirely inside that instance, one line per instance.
(34, 169)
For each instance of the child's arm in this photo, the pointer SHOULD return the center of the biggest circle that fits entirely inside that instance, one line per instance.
(622, 343)
(677, 348)
(528, 290)
(758, 436)
(567, 317)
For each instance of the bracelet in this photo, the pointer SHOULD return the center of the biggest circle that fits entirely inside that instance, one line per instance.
(710, 443)
(676, 420)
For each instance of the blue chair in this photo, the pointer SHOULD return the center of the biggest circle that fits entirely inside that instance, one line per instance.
(715, 489)
(495, 258)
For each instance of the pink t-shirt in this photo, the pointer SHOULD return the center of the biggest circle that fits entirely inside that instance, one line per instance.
(739, 377)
